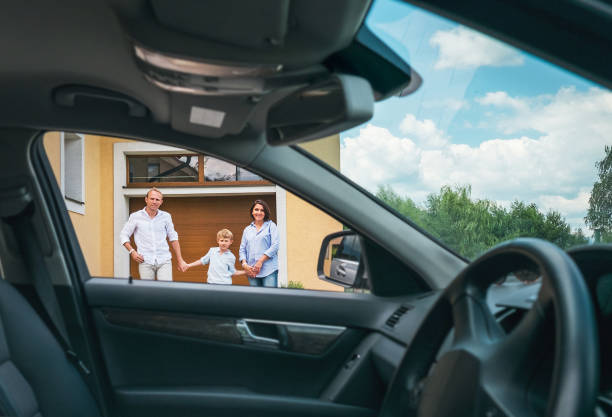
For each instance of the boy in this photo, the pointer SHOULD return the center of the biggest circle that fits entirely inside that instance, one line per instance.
(221, 260)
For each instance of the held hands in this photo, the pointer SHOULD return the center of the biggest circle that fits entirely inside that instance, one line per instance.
(182, 266)
(197, 262)
(249, 269)
(252, 271)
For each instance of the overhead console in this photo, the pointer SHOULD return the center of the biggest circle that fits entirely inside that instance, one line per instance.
(294, 70)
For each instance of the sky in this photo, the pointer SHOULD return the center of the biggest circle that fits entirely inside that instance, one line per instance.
(488, 115)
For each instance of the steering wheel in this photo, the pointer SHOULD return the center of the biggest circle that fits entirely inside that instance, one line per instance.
(486, 372)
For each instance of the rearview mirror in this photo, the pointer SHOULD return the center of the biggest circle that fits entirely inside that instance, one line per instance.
(322, 109)
(340, 260)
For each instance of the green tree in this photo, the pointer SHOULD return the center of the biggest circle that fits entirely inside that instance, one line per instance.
(471, 226)
(599, 215)
(404, 205)
(464, 224)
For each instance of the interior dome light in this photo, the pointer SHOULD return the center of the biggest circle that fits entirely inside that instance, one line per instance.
(205, 78)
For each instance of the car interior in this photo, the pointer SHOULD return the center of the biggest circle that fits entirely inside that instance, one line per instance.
(247, 82)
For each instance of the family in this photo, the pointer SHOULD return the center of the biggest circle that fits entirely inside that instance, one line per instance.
(152, 226)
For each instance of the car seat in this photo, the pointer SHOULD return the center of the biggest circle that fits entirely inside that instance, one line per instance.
(36, 377)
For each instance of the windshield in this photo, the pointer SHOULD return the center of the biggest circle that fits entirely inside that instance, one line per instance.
(495, 144)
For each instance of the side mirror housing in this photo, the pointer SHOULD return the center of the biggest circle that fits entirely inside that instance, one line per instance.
(340, 261)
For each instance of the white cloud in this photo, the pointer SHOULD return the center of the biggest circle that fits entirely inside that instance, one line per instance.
(464, 48)
(377, 157)
(502, 99)
(424, 132)
(568, 114)
(570, 206)
(554, 169)
(573, 209)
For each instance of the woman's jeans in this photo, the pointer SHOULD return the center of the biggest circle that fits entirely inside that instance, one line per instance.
(267, 281)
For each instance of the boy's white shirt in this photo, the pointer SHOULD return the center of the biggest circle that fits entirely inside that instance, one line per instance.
(221, 266)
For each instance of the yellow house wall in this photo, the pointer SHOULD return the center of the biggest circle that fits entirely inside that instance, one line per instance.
(51, 142)
(307, 225)
(326, 149)
(98, 217)
(306, 228)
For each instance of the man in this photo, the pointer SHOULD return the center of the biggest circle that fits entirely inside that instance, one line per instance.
(151, 226)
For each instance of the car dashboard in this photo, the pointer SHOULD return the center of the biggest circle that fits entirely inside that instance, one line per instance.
(595, 263)
(509, 301)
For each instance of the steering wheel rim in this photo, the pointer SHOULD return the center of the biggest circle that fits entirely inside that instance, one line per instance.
(480, 345)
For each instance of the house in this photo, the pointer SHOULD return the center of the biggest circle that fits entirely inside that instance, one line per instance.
(104, 179)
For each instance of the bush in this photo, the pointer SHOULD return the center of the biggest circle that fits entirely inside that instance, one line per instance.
(295, 285)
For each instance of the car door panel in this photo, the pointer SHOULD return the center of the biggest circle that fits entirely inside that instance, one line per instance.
(310, 339)
(162, 358)
(301, 306)
(181, 347)
(190, 401)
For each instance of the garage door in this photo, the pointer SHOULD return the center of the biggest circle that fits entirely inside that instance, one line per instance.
(197, 221)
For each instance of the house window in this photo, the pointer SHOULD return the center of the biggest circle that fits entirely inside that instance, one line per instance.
(163, 169)
(244, 175)
(73, 169)
(218, 170)
(153, 170)
(185, 170)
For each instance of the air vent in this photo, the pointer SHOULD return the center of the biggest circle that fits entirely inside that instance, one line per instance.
(396, 316)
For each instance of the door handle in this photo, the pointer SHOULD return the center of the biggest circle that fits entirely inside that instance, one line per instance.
(248, 337)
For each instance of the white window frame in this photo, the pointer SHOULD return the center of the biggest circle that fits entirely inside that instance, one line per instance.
(122, 194)
(71, 204)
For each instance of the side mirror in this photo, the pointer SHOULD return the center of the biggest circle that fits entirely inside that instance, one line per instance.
(322, 109)
(340, 260)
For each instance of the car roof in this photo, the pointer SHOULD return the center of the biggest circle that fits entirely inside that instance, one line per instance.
(63, 60)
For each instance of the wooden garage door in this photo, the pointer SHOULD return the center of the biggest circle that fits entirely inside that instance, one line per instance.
(197, 221)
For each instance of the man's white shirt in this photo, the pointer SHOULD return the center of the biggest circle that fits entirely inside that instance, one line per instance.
(150, 235)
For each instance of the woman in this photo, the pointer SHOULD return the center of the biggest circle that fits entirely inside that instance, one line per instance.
(259, 247)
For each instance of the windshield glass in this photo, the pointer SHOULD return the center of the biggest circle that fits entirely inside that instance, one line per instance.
(494, 145)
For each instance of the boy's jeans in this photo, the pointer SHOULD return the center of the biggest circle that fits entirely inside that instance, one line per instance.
(267, 281)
